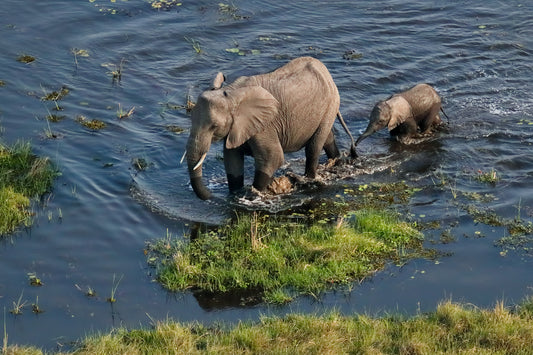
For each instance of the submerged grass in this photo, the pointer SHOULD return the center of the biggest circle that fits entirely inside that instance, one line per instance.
(22, 176)
(451, 329)
(280, 258)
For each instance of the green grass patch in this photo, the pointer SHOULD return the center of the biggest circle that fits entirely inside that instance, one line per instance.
(451, 329)
(281, 259)
(22, 176)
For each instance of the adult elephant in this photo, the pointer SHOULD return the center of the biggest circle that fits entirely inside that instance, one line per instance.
(264, 116)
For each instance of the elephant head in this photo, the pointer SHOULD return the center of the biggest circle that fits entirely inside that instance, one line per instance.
(389, 113)
(231, 113)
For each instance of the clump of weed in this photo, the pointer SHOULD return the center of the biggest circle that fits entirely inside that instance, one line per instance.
(93, 124)
(281, 258)
(56, 95)
(352, 54)
(34, 280)
(115, 70)
(164, 4)
(26, 58)
(490, 177)
(22, 176)
(18, 305)
(122, 114)
(195, 44)
(2, 83)
(230, 11)
(175, 129)
(140, 164)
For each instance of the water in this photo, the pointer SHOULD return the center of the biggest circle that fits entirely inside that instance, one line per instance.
(477, 54)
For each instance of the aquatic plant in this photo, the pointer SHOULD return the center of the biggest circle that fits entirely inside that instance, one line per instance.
(25, 58)
(281, 258)
(490, 177)
(164, 4)
(114, 288)
(195, 44)
(18, 305)
(93, 124)
(121, 114)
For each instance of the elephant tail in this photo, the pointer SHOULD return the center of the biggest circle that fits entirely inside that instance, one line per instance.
(353, 152)
(445, 115)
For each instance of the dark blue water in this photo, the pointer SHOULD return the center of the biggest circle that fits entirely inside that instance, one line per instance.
(477, 54)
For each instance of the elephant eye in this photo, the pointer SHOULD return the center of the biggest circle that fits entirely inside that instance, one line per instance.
(225, 93)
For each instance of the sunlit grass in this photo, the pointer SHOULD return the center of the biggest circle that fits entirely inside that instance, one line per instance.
(22, 176)
(283, 259)
(451, 329)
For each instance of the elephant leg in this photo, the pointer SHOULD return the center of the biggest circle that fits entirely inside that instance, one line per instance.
(313, 149)
(268, 158)
(431, 118)
(331, 147)
(406, 129)
(234, 164)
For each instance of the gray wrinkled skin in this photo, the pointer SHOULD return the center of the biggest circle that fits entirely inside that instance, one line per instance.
(408, 114)
(291, 108)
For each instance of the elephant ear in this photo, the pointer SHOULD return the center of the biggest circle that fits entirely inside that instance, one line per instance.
(255, 108)
(400, 111)
(218, 81)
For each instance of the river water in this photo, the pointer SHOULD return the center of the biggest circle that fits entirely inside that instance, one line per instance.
(103, 209)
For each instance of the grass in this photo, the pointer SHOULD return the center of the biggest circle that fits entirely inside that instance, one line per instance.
(22, 176)
(451, 329)
(282, 259)
(112, 298)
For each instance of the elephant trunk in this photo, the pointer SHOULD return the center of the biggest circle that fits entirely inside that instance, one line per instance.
(196, 153)
(367, 133)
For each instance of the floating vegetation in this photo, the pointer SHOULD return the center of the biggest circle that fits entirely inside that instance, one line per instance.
(2, 83)
(34, 280)
(93, 124)
(79, 53)
(515, 226)
(175, 129)
(195, 44)
(140, 164)
(55, 118)
(18, 305)
(490, 177)
(56, 95)
(352, 55)
(164, 4)
(115, 70)
(25, 58)
(280, 258)
(121, 114)
(230, 12)
(35, 308)
(240, 51)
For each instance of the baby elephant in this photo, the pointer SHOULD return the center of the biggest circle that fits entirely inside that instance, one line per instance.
(410, 113)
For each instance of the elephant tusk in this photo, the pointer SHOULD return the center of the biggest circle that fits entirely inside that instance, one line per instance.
(200, 162)
(183, 157)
